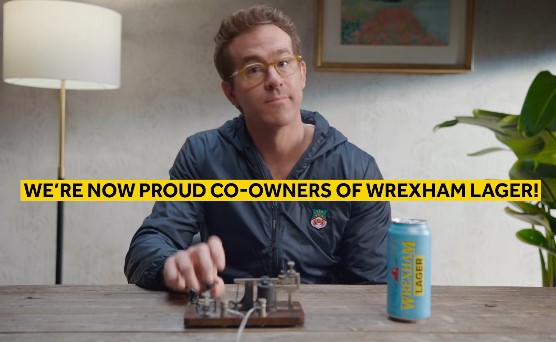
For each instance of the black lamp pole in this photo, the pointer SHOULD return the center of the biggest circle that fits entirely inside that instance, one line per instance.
(61, 176)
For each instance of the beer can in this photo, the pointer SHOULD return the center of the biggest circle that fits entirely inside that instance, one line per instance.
(409, 270)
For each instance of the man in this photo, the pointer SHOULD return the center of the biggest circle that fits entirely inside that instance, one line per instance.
(263, 75)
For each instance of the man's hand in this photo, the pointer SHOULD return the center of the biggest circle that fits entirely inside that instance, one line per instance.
(197, 267)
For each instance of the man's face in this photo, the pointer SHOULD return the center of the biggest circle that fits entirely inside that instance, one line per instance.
(275, 101)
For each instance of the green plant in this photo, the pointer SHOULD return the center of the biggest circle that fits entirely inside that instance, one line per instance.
(531, 135)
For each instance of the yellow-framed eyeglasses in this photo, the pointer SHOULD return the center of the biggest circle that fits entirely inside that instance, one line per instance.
(285, 65)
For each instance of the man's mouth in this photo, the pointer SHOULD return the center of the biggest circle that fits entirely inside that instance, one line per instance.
(275, 99)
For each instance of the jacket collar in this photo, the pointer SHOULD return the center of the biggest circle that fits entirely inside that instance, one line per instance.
(325, 137)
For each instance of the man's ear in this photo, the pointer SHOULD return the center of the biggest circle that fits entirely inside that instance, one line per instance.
(228, 90)
(303, 73)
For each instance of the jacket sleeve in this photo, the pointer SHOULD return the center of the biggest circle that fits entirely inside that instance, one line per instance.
(364, 240)
(169, 228)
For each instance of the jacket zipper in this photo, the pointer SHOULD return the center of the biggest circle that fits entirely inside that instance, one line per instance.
(275, 264)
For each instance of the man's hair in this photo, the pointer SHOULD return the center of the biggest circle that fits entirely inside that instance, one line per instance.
(245, 20)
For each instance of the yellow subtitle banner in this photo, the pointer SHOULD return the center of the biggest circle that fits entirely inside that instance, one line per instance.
(280, 190)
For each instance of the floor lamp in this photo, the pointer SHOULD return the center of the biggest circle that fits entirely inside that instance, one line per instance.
(61, 45)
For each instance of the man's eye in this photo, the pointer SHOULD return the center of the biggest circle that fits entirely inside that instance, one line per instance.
(283, 63)
(254, 70)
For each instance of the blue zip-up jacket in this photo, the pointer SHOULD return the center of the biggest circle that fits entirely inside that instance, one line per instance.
(260, 237)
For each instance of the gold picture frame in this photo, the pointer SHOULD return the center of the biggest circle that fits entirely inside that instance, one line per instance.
(455, 56)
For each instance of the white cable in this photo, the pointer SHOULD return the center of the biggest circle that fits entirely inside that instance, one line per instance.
(243, 323)
(234, 312)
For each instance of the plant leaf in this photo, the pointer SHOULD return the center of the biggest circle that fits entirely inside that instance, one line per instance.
(532, 169)
(534, 237)
(486, 151)
(532, 218)
(539, 107)
(500, 123)
(528, 207)
(543, 270)
(481, 113)
(531, 209)
(448, 123)
(522, 147)
(487, 122)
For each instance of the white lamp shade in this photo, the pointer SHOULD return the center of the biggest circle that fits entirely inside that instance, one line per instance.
(46, 41)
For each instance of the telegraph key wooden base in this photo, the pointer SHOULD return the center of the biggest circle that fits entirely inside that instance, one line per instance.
(280, 318)
(260, 308)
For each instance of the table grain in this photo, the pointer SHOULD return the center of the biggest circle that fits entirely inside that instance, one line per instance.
(335, 313)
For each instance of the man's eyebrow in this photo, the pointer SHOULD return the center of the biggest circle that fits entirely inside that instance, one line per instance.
(257, 58)
(250, 58)
(282, 51)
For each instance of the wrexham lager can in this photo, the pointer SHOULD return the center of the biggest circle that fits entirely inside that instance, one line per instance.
(409, 270)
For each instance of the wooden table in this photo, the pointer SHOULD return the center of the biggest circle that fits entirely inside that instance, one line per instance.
(332, 313)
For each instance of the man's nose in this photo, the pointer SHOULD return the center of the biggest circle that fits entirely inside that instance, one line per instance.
(272, 77)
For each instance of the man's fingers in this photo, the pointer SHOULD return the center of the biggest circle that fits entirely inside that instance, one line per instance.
(172, 278)
(197, 267)
(186, 269)
(217, 252)
(204, 267)
(170, 270)
(218, 289)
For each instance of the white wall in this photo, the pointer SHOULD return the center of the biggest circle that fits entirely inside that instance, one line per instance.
(171, 90)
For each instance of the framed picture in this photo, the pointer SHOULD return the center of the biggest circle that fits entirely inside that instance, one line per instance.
(422, 36)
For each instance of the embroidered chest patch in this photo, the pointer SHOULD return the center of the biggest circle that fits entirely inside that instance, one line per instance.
(319, 218)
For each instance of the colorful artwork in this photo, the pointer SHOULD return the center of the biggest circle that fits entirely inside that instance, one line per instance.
(395, 22)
